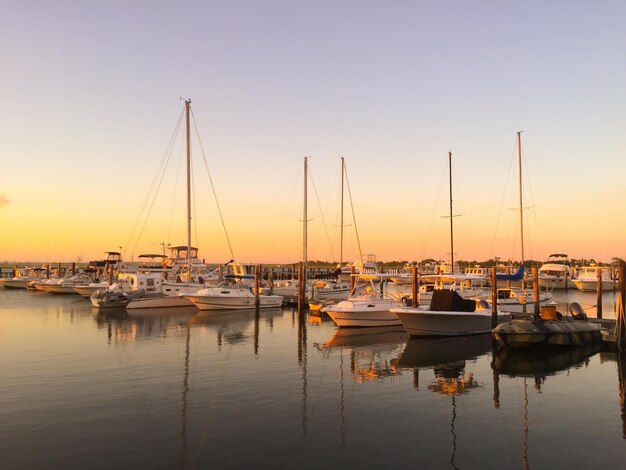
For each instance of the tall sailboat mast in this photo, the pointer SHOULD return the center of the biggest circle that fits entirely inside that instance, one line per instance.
(343, 165)
(187, 107)
(451, 222)
(521, 208)
(305, 216)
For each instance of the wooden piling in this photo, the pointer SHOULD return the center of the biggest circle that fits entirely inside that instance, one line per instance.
(620, 324)
(414, 287)
(599, 294)
(494, 298)
(535, 273)
(73, 268)
(300, 287)
(566, 280)
(59, 270)
(257, 276)
(271, 282)
(352, 279)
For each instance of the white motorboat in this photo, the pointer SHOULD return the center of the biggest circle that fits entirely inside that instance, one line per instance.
(87, 290)
(370, 308)
(288, 289)
(228, 296)
(449, 315)
(171, 296)
(67, 285)
(463, 284)
(21, 280)
(556, 273)
(330, 290)
(587, 279)
(515, 300)
(16, 282)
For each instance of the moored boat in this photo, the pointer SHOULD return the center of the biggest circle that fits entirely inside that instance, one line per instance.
(227, 296)
(449, 315)
(552, 329)
(370, 308)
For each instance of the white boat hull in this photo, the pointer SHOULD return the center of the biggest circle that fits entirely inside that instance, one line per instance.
(59, 288)
(87, 291)
(159, 302)
(592, 286)
(364, 313)
(15, 283)
(227, 298)
(419, 322)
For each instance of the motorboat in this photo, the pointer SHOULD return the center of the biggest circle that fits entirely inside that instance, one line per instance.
(86, 291)
(171, 294)
(330, 290)
(556, 273)
(587, 279)
(463, 284)
(114, 299)
(232, 296)
(517, 300)
(479, 276)
(288, 289)
(369, 308)
(20, 280)
(67, 285)
(552, 329)
(449, 315)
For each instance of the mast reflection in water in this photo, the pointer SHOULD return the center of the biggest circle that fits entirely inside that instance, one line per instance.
(273, 388)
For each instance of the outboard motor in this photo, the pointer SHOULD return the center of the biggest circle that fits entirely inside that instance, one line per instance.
(577, 311)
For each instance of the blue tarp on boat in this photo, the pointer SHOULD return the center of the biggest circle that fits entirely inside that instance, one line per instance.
(518, 276)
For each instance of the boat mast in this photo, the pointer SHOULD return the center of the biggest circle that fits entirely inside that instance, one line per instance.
(187, 107)
(341, 222)
(521, 208)
(451, 224)
(305, 220)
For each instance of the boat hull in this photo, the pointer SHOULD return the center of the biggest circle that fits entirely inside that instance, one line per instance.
(14, 283)
(87, 291)
(348, 314)
(445, 323)
(534, 333)
(207, 302)
(161, 301)
(59, 289)
(592, 286)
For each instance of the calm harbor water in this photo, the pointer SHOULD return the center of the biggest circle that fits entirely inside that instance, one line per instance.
(278, 389)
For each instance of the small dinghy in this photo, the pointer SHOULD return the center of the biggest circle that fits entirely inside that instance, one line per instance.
(110, 299)
(553, 329)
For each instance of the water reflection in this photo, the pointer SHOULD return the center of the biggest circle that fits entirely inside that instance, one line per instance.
(432, 352)
(543, 362)
(371, 350)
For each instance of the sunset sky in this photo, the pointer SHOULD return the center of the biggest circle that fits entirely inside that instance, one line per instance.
(89, 101)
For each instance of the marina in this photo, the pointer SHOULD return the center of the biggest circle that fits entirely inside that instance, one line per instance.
(312, 235)
(184, 389)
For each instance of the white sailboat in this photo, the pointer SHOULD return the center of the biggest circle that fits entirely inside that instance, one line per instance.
(172, 292)
(519, 300)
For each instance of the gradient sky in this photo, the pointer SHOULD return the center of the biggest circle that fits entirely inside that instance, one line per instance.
(89, 99)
